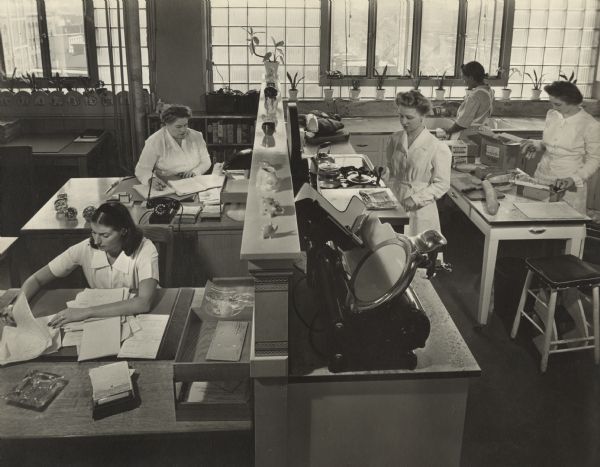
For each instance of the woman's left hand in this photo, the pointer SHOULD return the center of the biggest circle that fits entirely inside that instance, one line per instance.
(563, 184)
(188, 174)
(408, 204)
(68, 315)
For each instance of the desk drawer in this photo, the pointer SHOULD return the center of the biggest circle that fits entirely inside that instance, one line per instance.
(459, 200)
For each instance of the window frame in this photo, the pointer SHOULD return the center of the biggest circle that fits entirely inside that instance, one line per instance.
(90, 49)
(369, 79)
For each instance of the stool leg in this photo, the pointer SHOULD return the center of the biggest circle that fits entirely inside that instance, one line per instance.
(548, 330)
(596, 318)
(517, 321)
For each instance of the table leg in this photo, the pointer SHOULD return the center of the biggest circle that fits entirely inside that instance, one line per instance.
(490, 251)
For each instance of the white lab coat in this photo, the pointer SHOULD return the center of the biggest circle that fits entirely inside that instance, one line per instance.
(572, 150)
(170, 159)
(474, 110)
(126, 271)
(421, 172)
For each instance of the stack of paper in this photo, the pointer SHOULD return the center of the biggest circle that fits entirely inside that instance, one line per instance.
(144, 343)
(196, 184)
(144, 189)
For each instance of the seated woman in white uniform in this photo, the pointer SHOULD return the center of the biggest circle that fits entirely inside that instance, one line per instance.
(174, 151)
(570, 145)
(116, 255)
(478, 104)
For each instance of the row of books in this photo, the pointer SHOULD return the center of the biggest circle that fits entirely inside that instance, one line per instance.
(220, 132)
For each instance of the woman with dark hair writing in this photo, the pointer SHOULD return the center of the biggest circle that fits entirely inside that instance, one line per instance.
(116, 255)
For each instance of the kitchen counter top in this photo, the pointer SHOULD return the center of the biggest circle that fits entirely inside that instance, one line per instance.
(387, 125)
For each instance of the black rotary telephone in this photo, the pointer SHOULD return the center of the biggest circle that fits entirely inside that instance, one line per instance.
(163, 208)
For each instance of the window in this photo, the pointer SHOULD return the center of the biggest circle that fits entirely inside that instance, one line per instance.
(553, 37)
(75, 38)
(43, 37)
(429, 37)
(296, 22)
(110, 43)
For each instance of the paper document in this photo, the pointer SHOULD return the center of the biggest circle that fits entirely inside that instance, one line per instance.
(94, 297)
(101, 338)
(25, 341)
(186, 186)
(110, 380)
(72, 338)
(143, 191)
(54, 334)
(558, 210)
(145, 342)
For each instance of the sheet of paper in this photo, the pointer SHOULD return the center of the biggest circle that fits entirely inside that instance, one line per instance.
(54, 334)
(558, 210)
(101, 338)
(145, 343)
(25, 341)
(94, 297)
(72, 338)
(143, 191)
(197, 184)
(111, 379)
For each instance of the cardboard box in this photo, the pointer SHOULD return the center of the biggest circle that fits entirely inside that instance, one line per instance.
(501, 150)
(462, 151)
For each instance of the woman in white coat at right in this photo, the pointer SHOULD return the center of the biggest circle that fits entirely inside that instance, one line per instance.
(570, 145)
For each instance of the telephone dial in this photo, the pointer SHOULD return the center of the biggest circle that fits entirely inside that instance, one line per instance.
(163, 209)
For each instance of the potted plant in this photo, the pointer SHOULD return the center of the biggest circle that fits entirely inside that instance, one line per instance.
(380, 91)
(271, 60)
(569, 79)
(294, 82)
(415, 78)
(331, 75)
(440, 90)
(355, 91)
(537, 84)
(507, 73)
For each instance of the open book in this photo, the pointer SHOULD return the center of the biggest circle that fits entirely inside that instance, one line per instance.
(186, 186)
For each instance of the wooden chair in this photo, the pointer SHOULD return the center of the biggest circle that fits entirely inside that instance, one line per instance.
(561, 273)
(17, 185)
(164, 237)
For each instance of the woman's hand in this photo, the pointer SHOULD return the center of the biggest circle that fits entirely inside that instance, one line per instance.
(6, 316)
(408, 204)
(529, 148)
(158, 184)
(563, 184)
(69, 315)
(188, 174)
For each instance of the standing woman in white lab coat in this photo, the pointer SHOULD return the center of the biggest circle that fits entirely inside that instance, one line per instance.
(570, 145)
(477, 106)
(418, 164)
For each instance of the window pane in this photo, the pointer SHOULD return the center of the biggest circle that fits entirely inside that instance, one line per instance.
(20, 37)
(349, 36)
(484, 31)
(394, 36)
(438, 36)
(66, 37)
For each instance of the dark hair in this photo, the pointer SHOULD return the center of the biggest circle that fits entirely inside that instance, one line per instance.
(173, 112)
(565, 91)
(415, 100)
(474, 70)
(117, 217)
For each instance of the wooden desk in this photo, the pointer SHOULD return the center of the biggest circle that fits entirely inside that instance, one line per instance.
(70, 414)
(215, 244)
(511, 224)
(60, 150)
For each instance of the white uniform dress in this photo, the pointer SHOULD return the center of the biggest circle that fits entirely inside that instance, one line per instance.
(170, 159)
(421, 172)
(572, 150)
(126, 271)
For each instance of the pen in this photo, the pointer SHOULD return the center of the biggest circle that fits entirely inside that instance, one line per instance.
(112, 185)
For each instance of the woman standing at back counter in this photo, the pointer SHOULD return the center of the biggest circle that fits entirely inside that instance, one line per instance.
(173, 151)
(570, 145)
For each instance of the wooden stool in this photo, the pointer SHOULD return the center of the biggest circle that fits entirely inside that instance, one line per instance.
(559, 273)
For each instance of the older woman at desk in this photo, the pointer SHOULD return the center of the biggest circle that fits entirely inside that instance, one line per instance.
(173, 151)
(570, 145)
(116, 255)
(418, 165)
